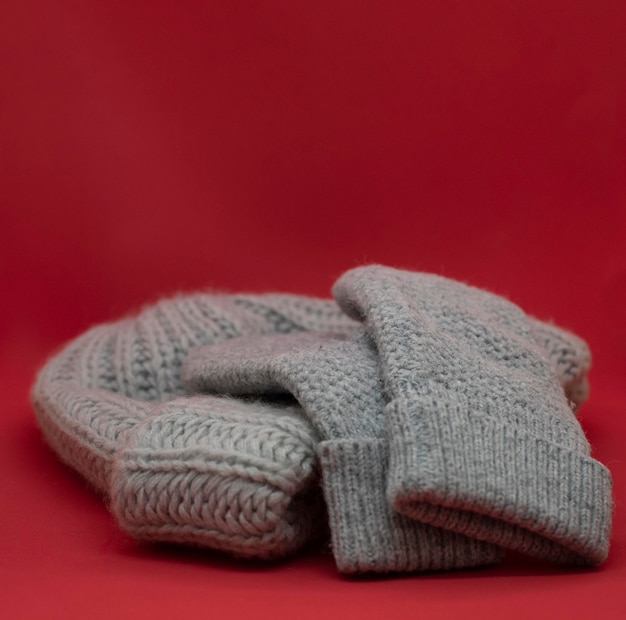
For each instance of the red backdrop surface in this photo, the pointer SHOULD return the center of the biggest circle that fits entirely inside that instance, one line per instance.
(152, 147)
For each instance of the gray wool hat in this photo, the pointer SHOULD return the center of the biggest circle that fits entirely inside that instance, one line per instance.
(482, 438)
(222, 473)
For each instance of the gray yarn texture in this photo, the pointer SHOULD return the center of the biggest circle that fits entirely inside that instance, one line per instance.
(337, 383)
(237, 476)
(482, 438)
(429, 425)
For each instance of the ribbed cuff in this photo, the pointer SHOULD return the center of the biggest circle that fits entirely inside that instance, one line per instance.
(237, 481)
(495, 482)
(368, 535)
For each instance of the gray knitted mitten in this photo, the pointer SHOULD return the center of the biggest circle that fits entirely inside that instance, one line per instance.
(336, 381)
(230, 475)
(482, 439)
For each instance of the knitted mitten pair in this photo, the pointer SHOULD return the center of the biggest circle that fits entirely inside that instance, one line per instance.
(442, 420)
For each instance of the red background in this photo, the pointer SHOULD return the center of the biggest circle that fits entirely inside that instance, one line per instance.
(151, 147)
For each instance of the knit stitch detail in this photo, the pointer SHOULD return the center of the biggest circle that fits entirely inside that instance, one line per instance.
(229, 475)
(418, 413)
(368, 535)
(455, 468)
(336, 381)
(100, 397)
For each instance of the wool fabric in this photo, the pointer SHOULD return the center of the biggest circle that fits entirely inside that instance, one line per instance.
(217, 472)
(337, 382)
(482, 438)
(242, 474)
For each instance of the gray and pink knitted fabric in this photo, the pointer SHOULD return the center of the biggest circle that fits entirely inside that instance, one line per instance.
(427, 424)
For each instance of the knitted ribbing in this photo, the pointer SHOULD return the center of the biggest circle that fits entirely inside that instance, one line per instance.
(336, 381)
(220, 473)
(230, 475)
(482, 438)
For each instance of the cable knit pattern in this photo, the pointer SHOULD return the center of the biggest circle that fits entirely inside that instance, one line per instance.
(242, 474)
